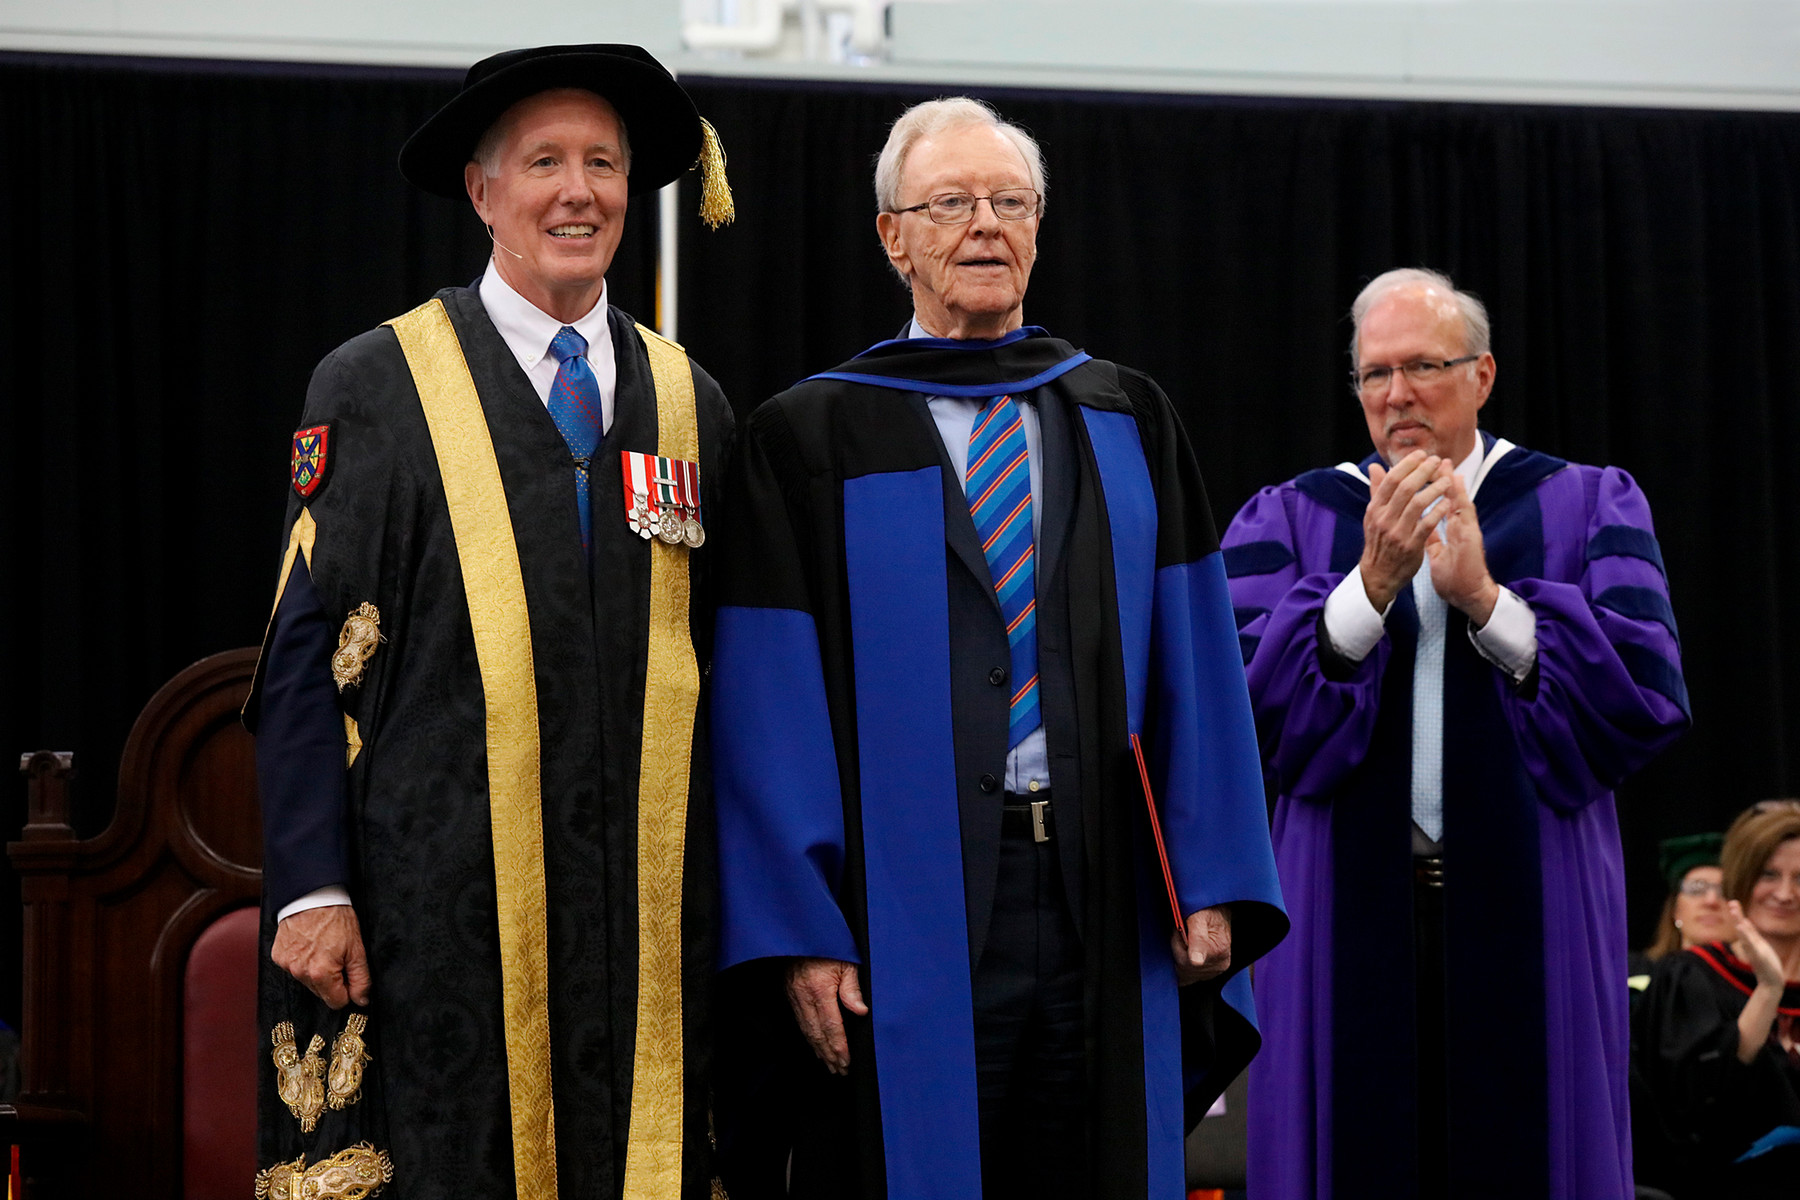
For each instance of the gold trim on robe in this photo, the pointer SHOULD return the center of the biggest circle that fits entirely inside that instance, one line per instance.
(671, 693)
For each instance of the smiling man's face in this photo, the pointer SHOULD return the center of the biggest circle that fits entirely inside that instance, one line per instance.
(557, 205)
(968, 281)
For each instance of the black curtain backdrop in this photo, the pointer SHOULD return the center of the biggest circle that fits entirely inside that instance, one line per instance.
(1642, 269)
(180, 242)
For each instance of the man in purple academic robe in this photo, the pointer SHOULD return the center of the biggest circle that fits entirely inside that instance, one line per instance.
(1456, 650)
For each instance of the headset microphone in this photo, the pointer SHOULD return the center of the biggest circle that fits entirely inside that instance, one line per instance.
(501, 244)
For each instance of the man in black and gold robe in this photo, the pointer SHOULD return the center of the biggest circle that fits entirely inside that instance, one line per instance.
(488, 834)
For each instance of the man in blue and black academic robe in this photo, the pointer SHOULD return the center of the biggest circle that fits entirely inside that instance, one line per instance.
(971, 571)
(483, 761)
(1456, 649)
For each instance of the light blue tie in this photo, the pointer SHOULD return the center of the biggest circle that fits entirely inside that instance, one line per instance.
(575, 407)
(1428, 706)
(999, 488)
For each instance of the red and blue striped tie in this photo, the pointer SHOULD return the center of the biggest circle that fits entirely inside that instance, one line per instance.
(999, 489)
(575, 407)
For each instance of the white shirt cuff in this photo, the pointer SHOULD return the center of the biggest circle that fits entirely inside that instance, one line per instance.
(1509, 639)
(1351, 623)
(323, 897)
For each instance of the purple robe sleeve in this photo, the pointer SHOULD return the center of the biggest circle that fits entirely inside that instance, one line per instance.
(1314, 727)
(1608, 693)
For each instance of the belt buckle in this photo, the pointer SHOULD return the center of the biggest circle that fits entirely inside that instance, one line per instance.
(1038, 832)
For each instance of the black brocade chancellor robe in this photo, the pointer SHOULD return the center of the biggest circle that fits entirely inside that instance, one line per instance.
(412, 811)
(1700, 1110)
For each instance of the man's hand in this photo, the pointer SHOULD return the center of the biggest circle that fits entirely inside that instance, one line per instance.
(323, 949)
(1395, 526)
(1207, 953)
(816, 987)
(1459, 562)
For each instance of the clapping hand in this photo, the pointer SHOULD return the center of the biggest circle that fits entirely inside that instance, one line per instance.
(1396, 524)
(1458, 559)
(1757, 952)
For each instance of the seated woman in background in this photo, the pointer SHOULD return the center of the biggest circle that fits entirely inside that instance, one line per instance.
(1695, 911)
(1718, 1032)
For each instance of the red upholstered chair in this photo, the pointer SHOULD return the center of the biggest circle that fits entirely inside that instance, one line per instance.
(138, 1045)
(218, 1060)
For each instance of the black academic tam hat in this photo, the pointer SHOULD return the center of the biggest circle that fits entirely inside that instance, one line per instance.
(665, 130)
(1676, 856)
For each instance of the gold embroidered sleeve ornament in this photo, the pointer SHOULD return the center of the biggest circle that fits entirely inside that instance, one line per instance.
(349, 1054)
(356, 645)
(299, 1079)
(355, 1173)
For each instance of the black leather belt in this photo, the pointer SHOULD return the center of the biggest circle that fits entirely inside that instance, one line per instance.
(1428, 870)
(1028, 814)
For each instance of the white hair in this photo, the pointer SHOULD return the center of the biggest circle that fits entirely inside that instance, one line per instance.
(934, 117)
(1476, 333)
(493, 142)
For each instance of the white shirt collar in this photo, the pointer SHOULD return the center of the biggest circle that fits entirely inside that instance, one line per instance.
(1473, 469)
(528, 329)
(1468, 466)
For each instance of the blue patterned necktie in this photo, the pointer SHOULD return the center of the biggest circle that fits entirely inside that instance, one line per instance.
(999, 490)
(575, 407)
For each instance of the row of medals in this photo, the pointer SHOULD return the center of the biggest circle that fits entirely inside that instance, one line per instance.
(674, 524)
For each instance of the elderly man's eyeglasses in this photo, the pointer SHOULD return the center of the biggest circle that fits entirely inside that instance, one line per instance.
(1699, 889)
(958, 208)
(1373, 381)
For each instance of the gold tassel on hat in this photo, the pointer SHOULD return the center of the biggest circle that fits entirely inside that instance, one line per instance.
(716, 208)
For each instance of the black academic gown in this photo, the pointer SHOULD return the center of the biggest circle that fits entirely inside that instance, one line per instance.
(860, 741)
(406, 826)
(1702, 1110)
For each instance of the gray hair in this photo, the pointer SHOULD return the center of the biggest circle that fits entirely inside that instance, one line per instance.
(1476, 332)
(487, 150)
(934, 117)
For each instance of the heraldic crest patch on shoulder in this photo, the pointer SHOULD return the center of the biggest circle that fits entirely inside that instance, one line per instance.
(312, 456)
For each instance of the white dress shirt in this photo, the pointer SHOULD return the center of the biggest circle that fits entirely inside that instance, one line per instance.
(1028, 764)
(527, 331)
